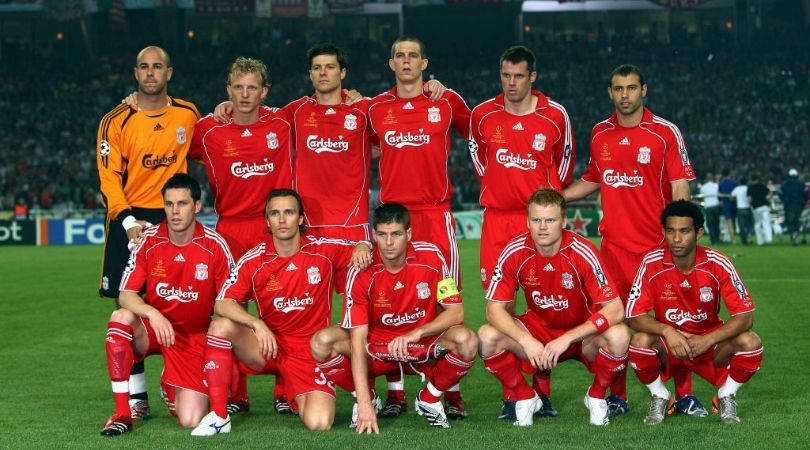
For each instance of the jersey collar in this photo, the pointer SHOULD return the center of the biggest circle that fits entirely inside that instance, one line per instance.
(646, 118)
(700, 256)
(542, 100)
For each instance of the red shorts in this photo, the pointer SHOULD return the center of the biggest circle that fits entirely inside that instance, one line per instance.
(242, 234)
(301, 373)
(622, 266)
(351, 233)
(498, 229)
(703, 365)
(438, 226)
(183, 362)
(545, 335)
(377, 367)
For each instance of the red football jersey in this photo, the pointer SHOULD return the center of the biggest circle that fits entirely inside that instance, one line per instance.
(332, 156)
(514, 156)
(560, 290)
(688, 302)
(393, 304)
(415, 139)
(245, 163)
(293, 294)
(180, 281)
(634, 167)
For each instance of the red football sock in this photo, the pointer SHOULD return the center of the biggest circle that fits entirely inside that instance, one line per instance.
(619, 385)
(744, 365)
(338, 370)
(608, 367)
(449, 370)
(238, 385)
(120, 356)
(280, 388)
(645, 362)
(683, 381)
(541, 382)
(169, 394)
(218, 368)
(506, 368)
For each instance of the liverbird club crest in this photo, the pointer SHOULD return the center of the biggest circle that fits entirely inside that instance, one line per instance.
(422, 290)
(350, 122)
(201, 272)
(313, 275)
(272, 141)
(539, 143)
(434, 116)
(567, 281)
(181, 135)
(644, 155)
(706, 294)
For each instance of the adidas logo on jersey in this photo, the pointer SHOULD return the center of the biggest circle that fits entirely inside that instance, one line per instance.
(398, 286)
(291, 267)
(548, 268)
(179, 258)
(686, 284)
(518, 126)
(330, 111)
(408, 106)
(247, 133)
(158, 127)
(624, 141)
(211, 365)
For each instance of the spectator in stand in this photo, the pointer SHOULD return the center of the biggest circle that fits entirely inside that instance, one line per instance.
(759, 196)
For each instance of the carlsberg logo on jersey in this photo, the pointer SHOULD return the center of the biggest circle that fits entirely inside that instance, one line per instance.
(286, 305)
(246, 170)
(399, 139)
(559, 302)
(510, 160)
(321, 145)
(616, 179)
(151, 161)
(400, 319)
(679, 317)
(171, 293)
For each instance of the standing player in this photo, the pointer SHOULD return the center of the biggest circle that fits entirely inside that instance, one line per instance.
(290, 278)
(139, 148)
(413, 133)
(682, 283)
(639, 162)
(399, 312)
(574, 311)
(180, 264)
(246, 157)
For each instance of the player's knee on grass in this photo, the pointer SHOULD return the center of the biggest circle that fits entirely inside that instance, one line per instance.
(317, 412)
(124, 316)
(191, 406)
(618, 338)
(489, 339)
(747, 341)
(643, 340)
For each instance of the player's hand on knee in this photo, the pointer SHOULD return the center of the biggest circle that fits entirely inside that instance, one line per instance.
(677, 344)
(435, 88)
(163, 329)
(534, 351)
(266, 339)
(131, 99)
(222, 112)
(698, 344)
(366, 419)
(552, 351)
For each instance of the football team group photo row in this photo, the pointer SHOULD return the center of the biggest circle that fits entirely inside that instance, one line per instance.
(296, 225)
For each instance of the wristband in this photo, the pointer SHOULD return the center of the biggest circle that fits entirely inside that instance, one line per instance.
(129, 222)
(600, 322)
(368, 243)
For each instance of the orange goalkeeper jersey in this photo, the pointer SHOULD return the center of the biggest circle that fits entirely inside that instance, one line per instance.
(138, 151)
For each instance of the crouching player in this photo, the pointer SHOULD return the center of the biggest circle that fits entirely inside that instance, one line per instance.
(290, 276)
(181, 265)
(682, 283)
(573, 311)
(402, 313)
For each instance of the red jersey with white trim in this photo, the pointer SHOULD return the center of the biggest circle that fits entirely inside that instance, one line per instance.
(514, 156)
(634, 167)
(245, 162)
(293, 294)
(690, 303)
(180, 281)
(393, 304)
(332, 156)
(561, 290)
(415, 139)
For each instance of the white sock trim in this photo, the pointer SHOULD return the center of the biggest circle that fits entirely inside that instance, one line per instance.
(432, 389)
(658, 389)
(120, 387)
(396, 385)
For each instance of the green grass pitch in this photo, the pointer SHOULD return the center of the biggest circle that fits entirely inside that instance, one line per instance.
(54, 390)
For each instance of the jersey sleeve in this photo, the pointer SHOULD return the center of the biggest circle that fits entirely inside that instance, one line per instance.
(461, 113)
(732, 289)
(224, 263)
(355, 304)
(504, 281)
(476, 143)
(640, 301)
(564, 150)
(238, 284)
(111, 163)
(677, 162)
(134, 276)
(592, 172)
(196, 149)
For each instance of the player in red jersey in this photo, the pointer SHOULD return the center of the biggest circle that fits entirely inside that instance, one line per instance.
(682, 283)
(639, 164)
(573, 311)
(404, 312)
(290, 277)
(413, 134)
(180, 264)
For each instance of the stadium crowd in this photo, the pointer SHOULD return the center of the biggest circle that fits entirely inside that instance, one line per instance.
(743, 110)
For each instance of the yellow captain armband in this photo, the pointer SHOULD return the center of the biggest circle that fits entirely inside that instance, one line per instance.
(447, 288)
